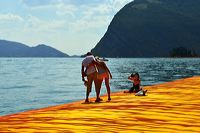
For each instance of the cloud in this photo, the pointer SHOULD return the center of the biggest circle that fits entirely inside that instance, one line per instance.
(38, 3)
(36, 24)
(67, 4)
(91, 14)
(63, 9)
(10, 17)
(79, 15)
(90, 23)
(102, 6)
(35, 3)
(118, 4)
(66, 24)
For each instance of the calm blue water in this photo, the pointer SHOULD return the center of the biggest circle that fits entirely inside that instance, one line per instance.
(30, 83)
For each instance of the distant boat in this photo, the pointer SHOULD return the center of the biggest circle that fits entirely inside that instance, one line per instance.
(101, 59)
(104, 59)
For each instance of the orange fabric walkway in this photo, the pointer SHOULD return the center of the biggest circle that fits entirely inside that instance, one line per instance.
(170, 107)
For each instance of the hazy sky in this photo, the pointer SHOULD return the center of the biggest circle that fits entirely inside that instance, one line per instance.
(72, 26)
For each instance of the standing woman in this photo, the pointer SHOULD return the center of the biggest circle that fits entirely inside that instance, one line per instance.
(103, 74)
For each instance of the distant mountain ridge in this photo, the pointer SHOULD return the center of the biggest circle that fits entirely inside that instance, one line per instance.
(152, 28)
(16, 49)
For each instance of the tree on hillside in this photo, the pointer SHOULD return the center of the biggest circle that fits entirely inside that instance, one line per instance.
(182, 52)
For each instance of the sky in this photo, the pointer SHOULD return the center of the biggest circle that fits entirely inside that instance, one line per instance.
(72, 26)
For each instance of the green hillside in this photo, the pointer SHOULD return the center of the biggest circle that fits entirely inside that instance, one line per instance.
(152, 28)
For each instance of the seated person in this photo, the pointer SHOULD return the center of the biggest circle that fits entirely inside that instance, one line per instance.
(135, 78)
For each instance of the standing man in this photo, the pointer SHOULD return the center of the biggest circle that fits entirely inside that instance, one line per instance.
(90, 71)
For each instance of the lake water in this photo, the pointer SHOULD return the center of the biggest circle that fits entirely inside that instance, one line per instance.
(31, 83)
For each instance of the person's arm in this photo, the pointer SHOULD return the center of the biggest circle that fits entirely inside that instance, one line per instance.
(109, 72)
(130, 78)
(83, 73)
(94, 62)
(107, 69)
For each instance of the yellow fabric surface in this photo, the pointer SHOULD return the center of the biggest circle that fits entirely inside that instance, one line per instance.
(172, 107)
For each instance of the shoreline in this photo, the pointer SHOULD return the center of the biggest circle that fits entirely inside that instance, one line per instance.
(168, 107)
(57, 106)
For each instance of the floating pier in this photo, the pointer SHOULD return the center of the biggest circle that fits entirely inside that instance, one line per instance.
(172, 107)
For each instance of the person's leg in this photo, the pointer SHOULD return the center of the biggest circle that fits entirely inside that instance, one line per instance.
(108, 87)
(89, 87)
(144, 92)
(98, 89)
(132, 89)
(137, 88)
(98, 83)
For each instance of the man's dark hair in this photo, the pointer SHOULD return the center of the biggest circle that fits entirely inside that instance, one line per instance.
(88, 54)
(133, 75)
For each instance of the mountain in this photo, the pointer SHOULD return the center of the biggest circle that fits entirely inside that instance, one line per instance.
(15, 49)
(152, 28)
